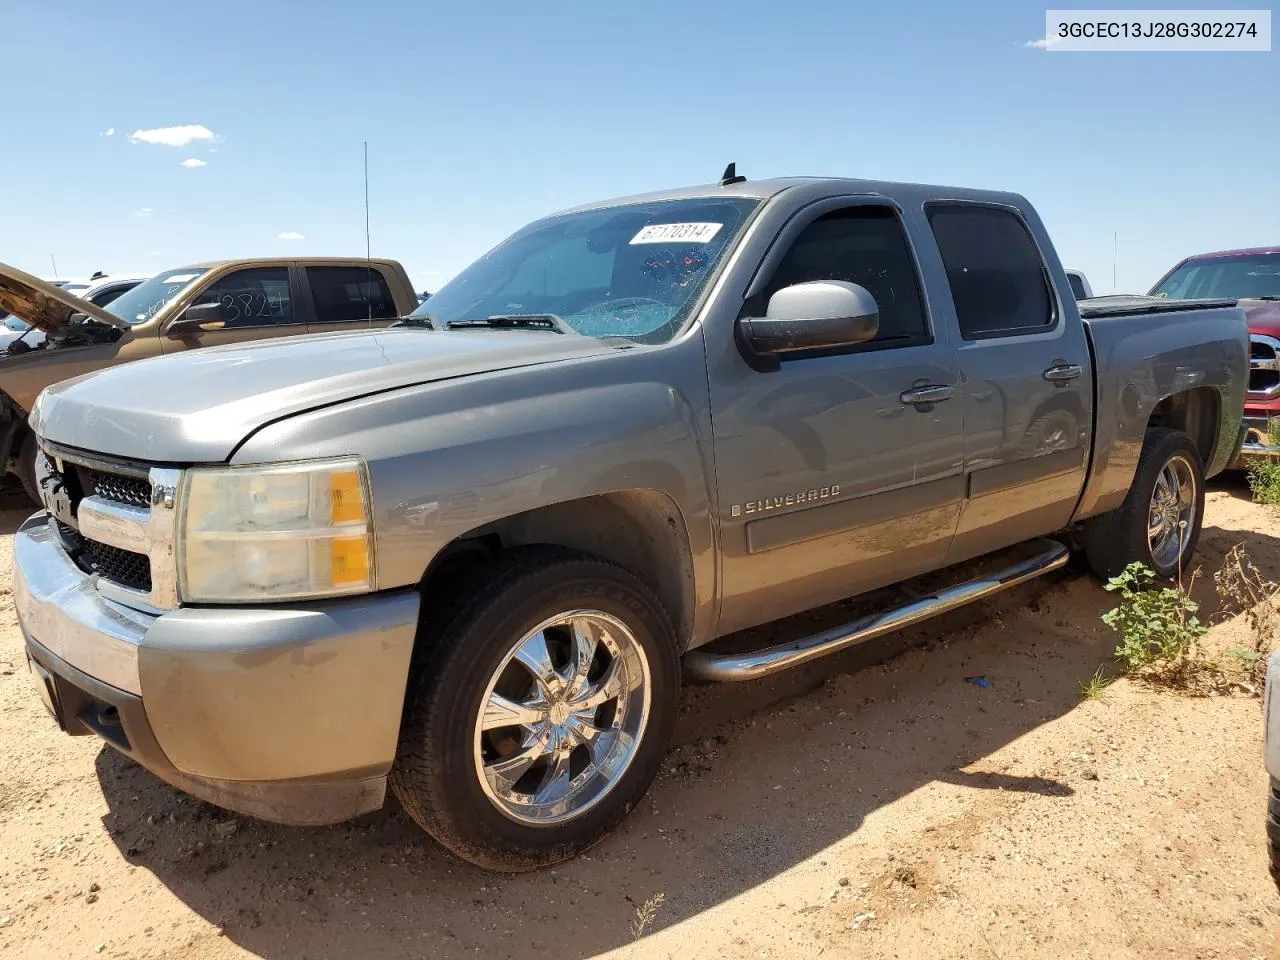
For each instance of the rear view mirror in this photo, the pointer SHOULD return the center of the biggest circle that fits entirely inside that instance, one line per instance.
(820, 314)
(197, 319)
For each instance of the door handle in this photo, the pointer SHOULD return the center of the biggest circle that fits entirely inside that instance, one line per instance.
(933, 393)
(1062, 372)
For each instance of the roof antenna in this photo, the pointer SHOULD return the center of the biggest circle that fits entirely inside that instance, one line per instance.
(730, 176)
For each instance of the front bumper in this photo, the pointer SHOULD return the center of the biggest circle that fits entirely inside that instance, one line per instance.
(1257, 441)
(290, 713)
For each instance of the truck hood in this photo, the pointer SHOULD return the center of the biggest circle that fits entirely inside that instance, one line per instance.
(1263, 316)
(45, 306)
(197, 406)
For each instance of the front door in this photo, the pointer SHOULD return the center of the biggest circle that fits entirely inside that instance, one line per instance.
(1028, 384)
(838, 472)
(257, 303)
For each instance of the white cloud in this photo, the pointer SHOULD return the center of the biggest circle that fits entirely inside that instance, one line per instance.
(1040, 44)
(290, 235)
(193, 163)
(143, 212)
(172, 136)
(109, 132)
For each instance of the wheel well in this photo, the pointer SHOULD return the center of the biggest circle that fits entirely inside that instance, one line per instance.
(13, 424)
(641, 530)
(1195, 413)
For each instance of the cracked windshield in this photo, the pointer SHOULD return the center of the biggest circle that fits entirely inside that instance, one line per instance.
(632, 271)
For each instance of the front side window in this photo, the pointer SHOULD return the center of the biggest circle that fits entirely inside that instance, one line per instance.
(633, 271)
(257, 297)
(1255, 277)
(151, 296)
(342, 294)
(863, 245)
(998, 282)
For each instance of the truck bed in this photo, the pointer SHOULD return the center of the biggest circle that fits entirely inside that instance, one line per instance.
(1146, 348)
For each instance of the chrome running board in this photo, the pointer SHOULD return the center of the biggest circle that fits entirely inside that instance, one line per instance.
(759, 663)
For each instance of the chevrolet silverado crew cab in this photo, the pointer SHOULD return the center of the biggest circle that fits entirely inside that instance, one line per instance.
(470, 556)
(195, 306)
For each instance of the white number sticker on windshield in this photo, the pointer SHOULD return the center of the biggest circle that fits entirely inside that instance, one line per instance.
(674, 232)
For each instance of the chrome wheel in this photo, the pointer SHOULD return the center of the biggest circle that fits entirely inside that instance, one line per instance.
(1171, 515)
(562, 717)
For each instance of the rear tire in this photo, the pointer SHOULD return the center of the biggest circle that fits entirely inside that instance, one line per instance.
(1170, 464)
(1273, 829)
(557, 656)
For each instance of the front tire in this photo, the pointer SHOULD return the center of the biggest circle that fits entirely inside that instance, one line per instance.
(1158, 524)
(27, 467)
(541, 713)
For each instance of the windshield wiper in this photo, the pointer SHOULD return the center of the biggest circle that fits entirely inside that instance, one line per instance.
(421, 320)
(524, 321)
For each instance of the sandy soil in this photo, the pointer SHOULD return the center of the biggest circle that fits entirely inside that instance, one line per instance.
(873, 805)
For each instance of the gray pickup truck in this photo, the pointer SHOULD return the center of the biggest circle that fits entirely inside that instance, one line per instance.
(471, 555)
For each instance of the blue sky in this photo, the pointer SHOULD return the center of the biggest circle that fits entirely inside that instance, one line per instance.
(481, 117)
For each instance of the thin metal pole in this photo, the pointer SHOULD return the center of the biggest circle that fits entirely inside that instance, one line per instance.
(55, 266)
(368, 256)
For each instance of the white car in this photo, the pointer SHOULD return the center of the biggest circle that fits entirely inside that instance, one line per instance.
(98, 289)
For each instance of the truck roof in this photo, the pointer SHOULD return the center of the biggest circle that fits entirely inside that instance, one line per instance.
(1243, 252)
(817, 186)
(208, 264)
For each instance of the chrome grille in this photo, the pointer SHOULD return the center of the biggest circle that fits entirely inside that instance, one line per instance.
(129, 569)
(1264, 365)
(108, 525)
(135, 491)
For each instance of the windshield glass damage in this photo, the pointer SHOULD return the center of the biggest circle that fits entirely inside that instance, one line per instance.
(632, 271)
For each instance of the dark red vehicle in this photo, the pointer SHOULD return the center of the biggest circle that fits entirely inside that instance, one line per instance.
(1252, 277)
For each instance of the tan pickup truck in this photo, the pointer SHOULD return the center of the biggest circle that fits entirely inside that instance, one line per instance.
(200, 305)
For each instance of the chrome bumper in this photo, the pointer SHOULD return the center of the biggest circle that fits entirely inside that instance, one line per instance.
(1257, 440)
(59, 605)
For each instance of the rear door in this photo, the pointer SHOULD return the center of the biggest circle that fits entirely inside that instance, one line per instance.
(1027, 379)
(348, 297)
(257, 303)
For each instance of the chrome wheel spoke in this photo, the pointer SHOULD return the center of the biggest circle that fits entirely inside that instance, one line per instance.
(503, 774)
(501, 712)
(610, 686)
(555, 783)
(536, 658)
(585, 643)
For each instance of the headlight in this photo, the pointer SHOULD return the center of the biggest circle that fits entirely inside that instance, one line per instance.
(280, 532)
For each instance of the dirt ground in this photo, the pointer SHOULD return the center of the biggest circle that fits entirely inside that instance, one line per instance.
(878, 804)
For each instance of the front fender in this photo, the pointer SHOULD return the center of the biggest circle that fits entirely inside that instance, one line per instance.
(449, 457)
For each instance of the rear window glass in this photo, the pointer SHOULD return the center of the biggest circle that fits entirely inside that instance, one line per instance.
(350, 293)
(997, 278)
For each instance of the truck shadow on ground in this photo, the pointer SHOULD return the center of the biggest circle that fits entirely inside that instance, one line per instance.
(765, 775)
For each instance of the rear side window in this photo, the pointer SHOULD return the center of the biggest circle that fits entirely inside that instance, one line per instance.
(863, 245)
(998, 282)
(258, 297)
(350, 293)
